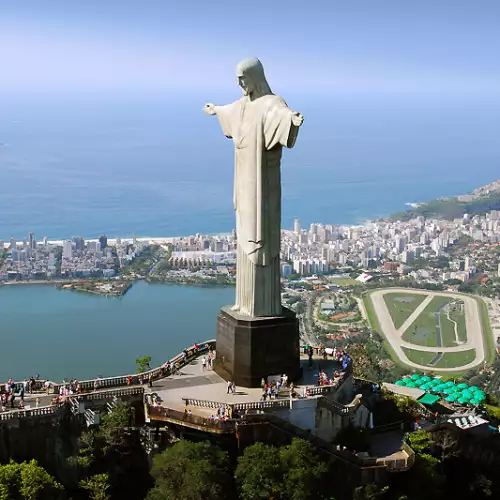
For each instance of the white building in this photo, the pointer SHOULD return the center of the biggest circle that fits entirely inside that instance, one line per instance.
(67, 249)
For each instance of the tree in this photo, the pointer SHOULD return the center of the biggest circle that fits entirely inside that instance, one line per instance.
(28, 481)
(143, 364)
(97, 486)
(259, 473)
(191, 471)
(293, 472)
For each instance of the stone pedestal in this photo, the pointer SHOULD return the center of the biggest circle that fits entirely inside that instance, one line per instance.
(251, 348)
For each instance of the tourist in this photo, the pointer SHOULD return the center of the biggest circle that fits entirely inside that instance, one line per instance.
(21, 394)
(150, 380)
(46, 385)
(38, 402)
(262, 382)
(229, 386)
(32, 385)
(233, 388)
(209, 360)
(129, 380)
(203, 363)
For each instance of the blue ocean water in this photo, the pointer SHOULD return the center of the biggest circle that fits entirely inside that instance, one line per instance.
(155, 165)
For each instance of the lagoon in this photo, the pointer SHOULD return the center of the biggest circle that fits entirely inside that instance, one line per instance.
(60, 333)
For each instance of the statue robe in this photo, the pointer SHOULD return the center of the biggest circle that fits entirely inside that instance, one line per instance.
(259, 129)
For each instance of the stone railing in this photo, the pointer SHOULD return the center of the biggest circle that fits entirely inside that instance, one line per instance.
(32, 412)
(253, 405)
(180, 360)
(109, 394)
(73, 401)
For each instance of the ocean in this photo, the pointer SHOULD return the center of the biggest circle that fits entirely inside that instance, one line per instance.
(156, 165)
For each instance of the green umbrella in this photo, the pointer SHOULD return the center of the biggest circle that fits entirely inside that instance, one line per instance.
(450, 384)
(473, 388)
(451, 398)
(412, 385)
(467, 397)
(435, 382)
(480, 396)
(462, 386)
(426, 378)
(415, 376)
(474, 402)
(462, 401)
(449, 391)
(400, 382)
(440, 388)
(467, 393)
(425, 387)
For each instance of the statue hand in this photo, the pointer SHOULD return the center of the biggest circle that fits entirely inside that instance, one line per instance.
(297, 119)
(209, 109)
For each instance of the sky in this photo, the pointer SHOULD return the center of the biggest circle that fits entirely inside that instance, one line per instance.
(445, 47)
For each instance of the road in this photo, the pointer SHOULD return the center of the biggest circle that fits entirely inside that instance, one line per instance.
(395, 336)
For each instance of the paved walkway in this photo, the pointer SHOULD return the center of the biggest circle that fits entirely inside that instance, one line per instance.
(394, 336)
(195, 383)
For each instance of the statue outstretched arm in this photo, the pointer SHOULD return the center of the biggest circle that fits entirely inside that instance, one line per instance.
(281, 126)
(227, 116)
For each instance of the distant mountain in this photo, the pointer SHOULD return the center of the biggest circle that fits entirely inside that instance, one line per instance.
(480, 201)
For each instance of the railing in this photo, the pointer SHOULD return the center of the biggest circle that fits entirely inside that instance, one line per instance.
(32, 412)
(109, 394)
(180, 360)
(163, 413)
(254, 405)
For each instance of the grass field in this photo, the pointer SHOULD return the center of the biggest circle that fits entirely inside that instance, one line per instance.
(456, 359)
(420, 357)
(448, 328)
(423, 330)
(344, 281)
(402, 305)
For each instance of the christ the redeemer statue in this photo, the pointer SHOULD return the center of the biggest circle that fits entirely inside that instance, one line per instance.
(260, 124)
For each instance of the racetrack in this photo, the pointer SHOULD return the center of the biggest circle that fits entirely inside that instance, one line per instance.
(395, 336)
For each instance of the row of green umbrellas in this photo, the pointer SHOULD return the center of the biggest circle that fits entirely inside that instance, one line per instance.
(460, 393)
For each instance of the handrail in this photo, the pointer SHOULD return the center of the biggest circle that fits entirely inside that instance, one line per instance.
(163, 412)
(32, 412)
(50, 410)
(253, 405)
(179, 360)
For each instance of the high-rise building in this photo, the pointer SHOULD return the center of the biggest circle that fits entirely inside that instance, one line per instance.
(468, 263)
(67, 249)
(13, 244)
(79, 243)
(2, 245)
(296, 226)
(31, 240)
(103, 240)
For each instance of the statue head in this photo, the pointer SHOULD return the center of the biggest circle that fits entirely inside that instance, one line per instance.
(251, 78)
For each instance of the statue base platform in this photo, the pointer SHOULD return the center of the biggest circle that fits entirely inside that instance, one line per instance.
(250, 348)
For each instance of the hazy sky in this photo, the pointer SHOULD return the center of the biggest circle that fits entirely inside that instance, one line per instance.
(424, 46)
